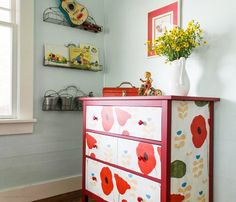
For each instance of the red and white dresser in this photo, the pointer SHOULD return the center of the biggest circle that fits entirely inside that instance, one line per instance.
(148, 149)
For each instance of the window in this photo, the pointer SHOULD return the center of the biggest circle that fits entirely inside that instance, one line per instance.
(16, 66)
(7, 57)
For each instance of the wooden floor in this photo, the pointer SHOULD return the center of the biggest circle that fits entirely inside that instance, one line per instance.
(68, 197)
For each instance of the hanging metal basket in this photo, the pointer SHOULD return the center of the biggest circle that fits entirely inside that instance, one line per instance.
(67, 99)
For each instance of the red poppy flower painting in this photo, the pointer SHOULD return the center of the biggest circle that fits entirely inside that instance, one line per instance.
(122, 116)
(91, 141)
(176, 198)
(198, 130)
(106, 178)
(107, 118)
(121, 184)
(146, 157)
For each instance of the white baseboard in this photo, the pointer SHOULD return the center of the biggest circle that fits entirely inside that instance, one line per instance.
(42, 190)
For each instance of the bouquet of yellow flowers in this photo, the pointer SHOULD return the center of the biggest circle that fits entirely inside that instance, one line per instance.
(177, 43)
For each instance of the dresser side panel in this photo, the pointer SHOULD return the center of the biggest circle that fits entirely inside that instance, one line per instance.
(190, 156)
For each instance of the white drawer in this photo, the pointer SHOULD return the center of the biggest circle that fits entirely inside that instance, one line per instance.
(95, 183)
(140, 157)
(137, 156)
(101, 147)
(116, 185)
(142, 122)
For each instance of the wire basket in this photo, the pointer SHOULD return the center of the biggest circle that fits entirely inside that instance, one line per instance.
(67, 99)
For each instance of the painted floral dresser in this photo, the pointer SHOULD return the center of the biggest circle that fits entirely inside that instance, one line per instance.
(148, 149)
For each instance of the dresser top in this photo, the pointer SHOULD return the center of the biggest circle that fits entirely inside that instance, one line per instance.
(171, 97)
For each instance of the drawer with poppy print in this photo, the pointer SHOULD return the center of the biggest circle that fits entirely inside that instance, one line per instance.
(114, 185)
(137, 156)
(140, 157)
(141, 122)
(101, 147)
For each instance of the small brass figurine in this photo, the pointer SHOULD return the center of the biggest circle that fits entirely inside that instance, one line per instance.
(146, 88)
(147, 84)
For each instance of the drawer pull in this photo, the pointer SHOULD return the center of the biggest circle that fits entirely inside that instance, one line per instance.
(140, 158)
(141, 123)
(144, 157)
(95, 146)
(140, 199)
(95, 118)
(94, 179)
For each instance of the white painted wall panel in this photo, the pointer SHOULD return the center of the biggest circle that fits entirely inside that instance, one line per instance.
(211, 70)
(54, 150)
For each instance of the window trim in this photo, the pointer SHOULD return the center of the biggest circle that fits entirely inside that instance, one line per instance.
(25, 69)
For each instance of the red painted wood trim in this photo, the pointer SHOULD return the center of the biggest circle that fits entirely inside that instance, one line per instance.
(84, 198)
(126, 169)
(166, 151)
(125, 103)
(211, 151)
(137, 139)
(149, 98)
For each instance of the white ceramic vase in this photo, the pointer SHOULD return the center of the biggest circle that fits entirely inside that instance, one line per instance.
(179, 83)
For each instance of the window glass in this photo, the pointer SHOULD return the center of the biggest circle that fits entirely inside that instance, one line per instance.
(5, 3)
(5, 15)
(5, 71)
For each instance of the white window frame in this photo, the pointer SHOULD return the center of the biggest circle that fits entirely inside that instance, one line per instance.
(23, 121)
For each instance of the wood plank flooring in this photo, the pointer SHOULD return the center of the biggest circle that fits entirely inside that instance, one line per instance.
(68, 197)
(75, 196)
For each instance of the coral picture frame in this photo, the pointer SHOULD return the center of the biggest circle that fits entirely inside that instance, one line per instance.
(161, 19)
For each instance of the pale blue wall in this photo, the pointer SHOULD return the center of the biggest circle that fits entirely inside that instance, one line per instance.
(212, 70)
(53, 151)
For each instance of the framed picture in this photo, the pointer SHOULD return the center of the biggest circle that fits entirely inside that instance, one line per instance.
(160, 20)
